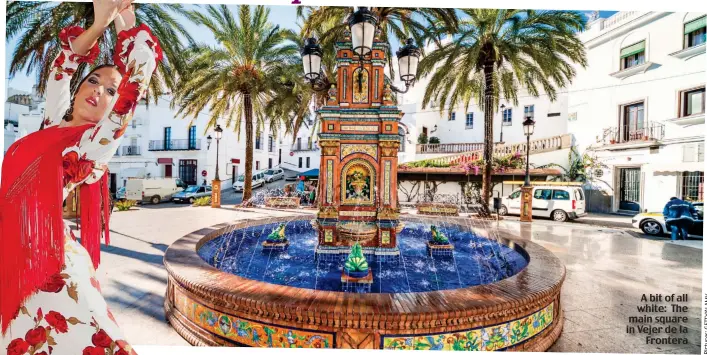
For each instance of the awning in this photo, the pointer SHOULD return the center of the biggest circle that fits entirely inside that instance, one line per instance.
(164, 160)
(310, 173)
(138, 173)
(677, 167)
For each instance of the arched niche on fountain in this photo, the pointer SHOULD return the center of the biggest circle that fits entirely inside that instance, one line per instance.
(358, 181)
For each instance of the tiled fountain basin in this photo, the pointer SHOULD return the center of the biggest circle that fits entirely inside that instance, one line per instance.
(214, 308)
(437, 209)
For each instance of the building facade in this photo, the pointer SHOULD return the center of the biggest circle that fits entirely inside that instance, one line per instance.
(639, 106)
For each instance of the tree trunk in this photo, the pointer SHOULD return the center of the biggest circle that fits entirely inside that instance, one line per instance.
(488, 138)
(248, 175)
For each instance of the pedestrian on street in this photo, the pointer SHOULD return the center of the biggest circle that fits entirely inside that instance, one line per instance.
(678, 216)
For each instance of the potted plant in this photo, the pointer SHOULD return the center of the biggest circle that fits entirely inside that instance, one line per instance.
(422, 138)
(434, 140)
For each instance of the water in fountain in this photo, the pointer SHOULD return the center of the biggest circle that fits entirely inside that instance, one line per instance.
(417, 271)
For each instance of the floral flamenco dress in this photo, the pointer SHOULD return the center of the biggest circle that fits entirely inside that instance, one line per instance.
(50, 300)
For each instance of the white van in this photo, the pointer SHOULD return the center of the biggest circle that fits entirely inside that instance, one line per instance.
(258, 180)
(153, 190)
(557, 202)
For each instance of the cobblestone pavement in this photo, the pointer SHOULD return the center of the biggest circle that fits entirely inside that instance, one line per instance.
(608, 271)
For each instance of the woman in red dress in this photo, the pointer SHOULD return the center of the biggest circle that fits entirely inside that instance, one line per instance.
(50, 300)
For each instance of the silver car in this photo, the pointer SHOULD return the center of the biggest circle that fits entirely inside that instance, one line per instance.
(191, 193)
(274, 174)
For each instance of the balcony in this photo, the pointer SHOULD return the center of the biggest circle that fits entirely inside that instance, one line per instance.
(130, 150)
(628, 137)
(303, 147)
(175, 144)
(447, 148)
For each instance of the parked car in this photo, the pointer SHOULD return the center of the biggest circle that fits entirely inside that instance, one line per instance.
(153, 190)
(274, 174)
(191, 193)
(258, 180)
(653, 223)
(560, 203)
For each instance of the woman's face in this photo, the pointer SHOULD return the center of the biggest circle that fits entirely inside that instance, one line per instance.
(95, 94)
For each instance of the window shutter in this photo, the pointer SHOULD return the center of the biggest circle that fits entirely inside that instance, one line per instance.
(695, 25)
(633, 49)
(688, 153)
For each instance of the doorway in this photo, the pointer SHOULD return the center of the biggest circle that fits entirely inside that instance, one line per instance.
(187, 171)
(168, 170)
(113, 182)
(630, 189)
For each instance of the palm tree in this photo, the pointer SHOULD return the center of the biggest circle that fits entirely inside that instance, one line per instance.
(38, 23)
(396, 23)
(496, 52)
(236, 79)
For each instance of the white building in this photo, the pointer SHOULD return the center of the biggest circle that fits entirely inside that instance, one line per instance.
(640, 107)
(301, 153)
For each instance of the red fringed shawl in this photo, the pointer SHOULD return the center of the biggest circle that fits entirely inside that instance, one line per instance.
(31, 223)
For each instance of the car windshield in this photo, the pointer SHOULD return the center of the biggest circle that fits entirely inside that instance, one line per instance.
(270, 172)
(241, 178)
(192, 189)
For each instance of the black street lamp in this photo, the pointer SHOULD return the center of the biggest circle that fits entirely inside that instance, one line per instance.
(218, 131)
(208, 142)
(362, 24)
(528, 128)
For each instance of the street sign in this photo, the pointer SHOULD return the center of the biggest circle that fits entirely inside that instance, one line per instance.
(292, 154)
(203, 173)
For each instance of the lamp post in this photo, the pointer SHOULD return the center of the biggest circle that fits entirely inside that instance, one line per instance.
(362, 24)
(216, 182)
(527, 190)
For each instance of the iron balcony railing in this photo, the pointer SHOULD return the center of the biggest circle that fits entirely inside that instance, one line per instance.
(130, 150)
(448, 148)
(303, 147)
(175, 144)
(651, 131)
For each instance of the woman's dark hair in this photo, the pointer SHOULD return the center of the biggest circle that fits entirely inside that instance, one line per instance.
(68, 116)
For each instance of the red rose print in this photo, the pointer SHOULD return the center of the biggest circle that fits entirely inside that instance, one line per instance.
(54, 284)
(110, 316)
(76, 169)
(128, 91)
(95, 284)
(101, 339)
(42, 353)
(121, 352)
(58, 321)
(120, 131)
(59, 61)
(125, 43)
(94, 350)
(123, 345)
(17, 347)
(70, 33)
(36, 336)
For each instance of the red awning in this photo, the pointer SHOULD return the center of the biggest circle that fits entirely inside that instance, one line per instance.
(164, 160)
(235, 161)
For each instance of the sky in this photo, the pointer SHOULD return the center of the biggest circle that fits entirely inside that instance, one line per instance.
(285, 16)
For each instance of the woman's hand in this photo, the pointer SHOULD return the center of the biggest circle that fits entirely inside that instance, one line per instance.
(105, 11)
(125, 20)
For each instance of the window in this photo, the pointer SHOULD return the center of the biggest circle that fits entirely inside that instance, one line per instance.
(192, 137)
(470, 120)
(507, 116)
(633, 55)
(299, 144)
(695, 32)
(560, 195)
(515, 195)
(270, 144)
(257, 141)
(269, 163)
(167, 138)
(307, 162)
(632, 127)
(300, 162)
(553, 114)
(542, 194)
(691, 186)
(452, 116)
(309, 143)
(692, 102)
(529, 111)
(401, 134)
(257, 165)
(578, 195)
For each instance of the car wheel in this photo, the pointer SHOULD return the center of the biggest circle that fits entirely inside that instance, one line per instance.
(191, 200)
(503, 210)
(155, 200)
(559, 215)
(651, 227)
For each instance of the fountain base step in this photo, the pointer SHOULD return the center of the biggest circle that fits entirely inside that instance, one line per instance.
(280, 246)
(440, 249)
(356, 284)
(338, 253)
